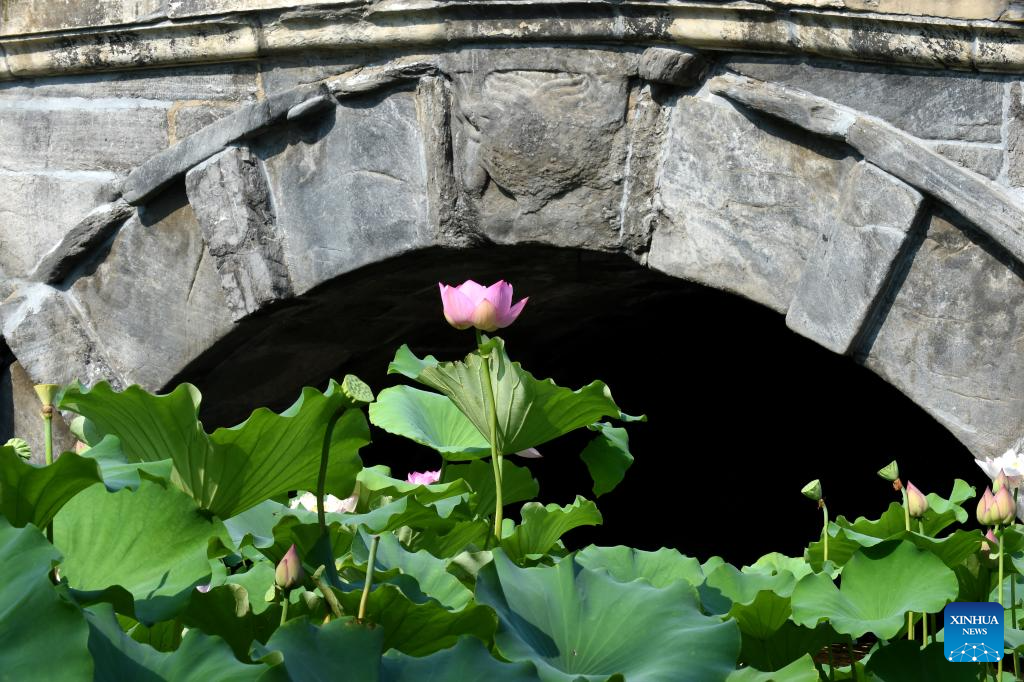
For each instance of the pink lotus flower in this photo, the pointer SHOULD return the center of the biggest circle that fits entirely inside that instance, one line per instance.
(424, 477)
(474, 305)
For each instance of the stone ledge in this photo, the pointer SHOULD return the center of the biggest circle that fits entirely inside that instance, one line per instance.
(975, 44)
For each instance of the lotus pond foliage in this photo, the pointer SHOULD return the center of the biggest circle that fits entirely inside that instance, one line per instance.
(267, 551)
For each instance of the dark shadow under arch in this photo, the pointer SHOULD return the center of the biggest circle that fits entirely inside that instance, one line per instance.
(742, 411)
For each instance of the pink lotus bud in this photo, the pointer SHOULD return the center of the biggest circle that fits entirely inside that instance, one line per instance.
(474, 305)
(289, 571)
(984, 505)
(1003, 506)
(989, 537)
(424, 477)
(917, 503)
(1000, 482)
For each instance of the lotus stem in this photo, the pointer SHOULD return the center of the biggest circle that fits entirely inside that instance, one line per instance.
(329, 596)
(284, 608)
(370, 561)
(906, 521)
(999, 665)
(496, 458)
(47, 414)
(321, 479)
(824, 530)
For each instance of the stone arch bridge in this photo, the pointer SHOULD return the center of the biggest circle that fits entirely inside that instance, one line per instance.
(184, 182)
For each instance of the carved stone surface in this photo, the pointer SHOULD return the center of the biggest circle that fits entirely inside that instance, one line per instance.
(1015, 136)
(232, 203)
(850, 265)
(88, 234)
(156, 299)
(355, 180)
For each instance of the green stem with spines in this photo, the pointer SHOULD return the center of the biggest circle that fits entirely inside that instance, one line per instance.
(48, 454)
(906, 521)
(496, 457)
(368, 585)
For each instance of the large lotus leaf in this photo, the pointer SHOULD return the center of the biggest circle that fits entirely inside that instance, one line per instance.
(542, 526)
(880, 585)
(530, 411)
(339, 650)
(118, 657)
(577, 624)
(760, 598)
(517, 484)
(952, 549)
(429, 419)
(800, 670)
(775, 562)
(376, 482)
(944, 511)
(463, 536)
(419, 629)
(785, 645)
(37, 620)
(906, 661)
(151, 542)
(661, 568)
(31, 494)
(255, 526)
(467, 661)
(430, 573)
(406, 511)
(607, 457)
(237, 468)
(227, 611)
(118, 472)
(256, 582)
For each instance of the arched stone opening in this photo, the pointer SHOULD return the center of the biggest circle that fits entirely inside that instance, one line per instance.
(741, 409)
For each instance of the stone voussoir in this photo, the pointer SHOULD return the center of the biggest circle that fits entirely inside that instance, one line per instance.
(154, 174)
(90, 232)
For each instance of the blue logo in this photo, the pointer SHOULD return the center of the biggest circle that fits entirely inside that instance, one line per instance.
(973, 632)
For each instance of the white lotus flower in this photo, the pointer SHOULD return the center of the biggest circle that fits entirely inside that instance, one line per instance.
(331, 503)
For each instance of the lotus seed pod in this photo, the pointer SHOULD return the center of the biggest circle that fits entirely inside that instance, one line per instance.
(890, 472)
(47, 393)
(812, 490)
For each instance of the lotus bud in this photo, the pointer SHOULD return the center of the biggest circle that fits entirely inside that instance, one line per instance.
(890, 472)
(474, 305)
(917, 503)
(986, 502)
(1004, 509)
(989, 537)
(812, 490)
(999, 482)
(289, 570)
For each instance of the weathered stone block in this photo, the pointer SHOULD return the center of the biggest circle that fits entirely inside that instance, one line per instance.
(984, 160)
(674, 66)
(849, 266)
(188, 119)
(34, 16)
(350, 187)
(940, 105)
(234, 82)
(32, 222)
(1015, 136)
(743, 204)
(76, 244)
(156, 301)
(232, 202)
(75, 134)
(953, 338)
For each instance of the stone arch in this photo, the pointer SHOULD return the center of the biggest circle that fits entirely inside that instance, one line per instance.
(909, 266)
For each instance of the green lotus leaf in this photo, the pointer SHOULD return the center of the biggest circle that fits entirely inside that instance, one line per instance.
(199, 658)
(607, 457)
(906, 661)
(574, 623)
(376, 482)
(944, 511)
(430, 573)
(255, 526)
(418, 629)
(339, 650)
(232, 469)
(800, 670)
(407, 511)
(462, 537)
(118, 472)
(542, 526)
(163, 636)
(229, 611)
(429, 419)
(31, 494)
(530, 411)
(914, 580)
(786, 644)
(661, 568)
(467, 661)
(517, 484)
(151, 543)
(775, 562)
(36, 616)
